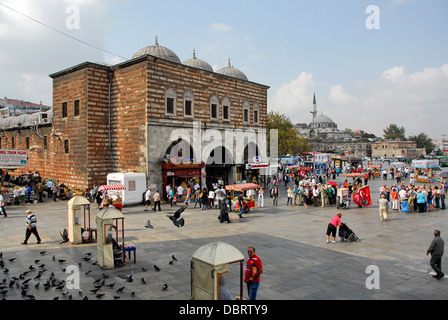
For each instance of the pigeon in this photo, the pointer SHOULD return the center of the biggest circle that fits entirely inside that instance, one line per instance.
(110, 285)
(173, 257)
(116, 297)
(177, 214)
(165, 286)
(36, 261)
(179, 223)
(128, 278)
(144, 269)
(157, 268)
(64, 236)
(61, 260)
(143, 281)
(54, 258)
(42, 252)
(12, 259)
(148, 225)
(99, 295)
(120, 289)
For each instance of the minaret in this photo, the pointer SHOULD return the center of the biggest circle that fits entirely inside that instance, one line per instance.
(314, 112)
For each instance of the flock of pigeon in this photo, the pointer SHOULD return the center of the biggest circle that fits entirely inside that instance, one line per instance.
(39, 278)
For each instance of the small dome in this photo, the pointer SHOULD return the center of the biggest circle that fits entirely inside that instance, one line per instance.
(232, 72)
(159, 52)
(198, 63)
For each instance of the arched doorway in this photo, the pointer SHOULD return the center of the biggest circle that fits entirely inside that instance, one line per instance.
(219, 166)
(179, 167)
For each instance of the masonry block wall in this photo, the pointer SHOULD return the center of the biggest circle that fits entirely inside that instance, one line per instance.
(113, 118)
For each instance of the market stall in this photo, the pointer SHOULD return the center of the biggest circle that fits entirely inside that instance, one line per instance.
(355, 177)
(208, 263)
(114, 193)
(249, 201)
(424, 170)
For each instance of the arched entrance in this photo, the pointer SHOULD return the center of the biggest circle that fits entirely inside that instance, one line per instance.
(219, 166)
(179, 167)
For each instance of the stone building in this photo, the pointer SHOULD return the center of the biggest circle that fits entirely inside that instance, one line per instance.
(151, 114)
(397, 148)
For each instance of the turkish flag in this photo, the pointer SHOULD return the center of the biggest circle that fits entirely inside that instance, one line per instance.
(362, 197)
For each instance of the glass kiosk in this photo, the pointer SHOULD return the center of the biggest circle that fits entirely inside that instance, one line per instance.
(110, 242)
(79, 207)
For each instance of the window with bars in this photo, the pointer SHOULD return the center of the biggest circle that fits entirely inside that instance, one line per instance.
(64, 109)
(188, 108)
(76, 108)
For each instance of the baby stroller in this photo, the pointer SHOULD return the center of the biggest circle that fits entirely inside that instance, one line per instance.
(347, 234)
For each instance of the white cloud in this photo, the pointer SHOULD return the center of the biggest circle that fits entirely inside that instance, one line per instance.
(31, 51)
(218, 26)
(294, 98)
(340, 97)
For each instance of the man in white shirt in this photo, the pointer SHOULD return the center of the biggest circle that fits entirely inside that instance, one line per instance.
(2, 205)
(148, 199)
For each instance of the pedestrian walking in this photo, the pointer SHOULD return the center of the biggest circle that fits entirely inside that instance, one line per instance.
(384, 204)
(436, 249)
(261, 198)
(31, 227)
(275, 194)
(147, 199)
(224, 212)
(2, 204)
(254, 268)
(156, 199)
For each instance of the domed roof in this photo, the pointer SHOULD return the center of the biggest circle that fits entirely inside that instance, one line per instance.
(323, 119)
(198, 63)
(232, 72)
(157, 51)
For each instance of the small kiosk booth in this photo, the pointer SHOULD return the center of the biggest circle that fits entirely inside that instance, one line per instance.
(79, 207)
(207, 264)
(424, 170)
(110, 253)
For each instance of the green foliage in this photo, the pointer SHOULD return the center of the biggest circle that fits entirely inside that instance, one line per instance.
(288, 140)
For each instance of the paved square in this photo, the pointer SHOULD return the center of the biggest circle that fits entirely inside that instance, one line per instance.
(298, 263)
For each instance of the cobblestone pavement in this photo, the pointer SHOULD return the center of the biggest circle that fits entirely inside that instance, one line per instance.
(298, 263)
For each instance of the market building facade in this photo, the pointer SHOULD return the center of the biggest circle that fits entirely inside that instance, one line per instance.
(152, 114)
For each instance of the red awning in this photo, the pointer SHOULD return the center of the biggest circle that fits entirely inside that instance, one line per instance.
(112, 187)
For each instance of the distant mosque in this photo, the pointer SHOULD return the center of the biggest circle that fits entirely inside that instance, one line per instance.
(321, 127)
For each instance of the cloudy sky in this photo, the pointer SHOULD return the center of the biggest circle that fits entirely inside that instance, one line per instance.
(369, 66)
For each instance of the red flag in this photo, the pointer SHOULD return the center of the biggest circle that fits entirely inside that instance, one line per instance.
(364, 196)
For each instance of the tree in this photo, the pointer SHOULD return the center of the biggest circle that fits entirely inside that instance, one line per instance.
(394, 132)
(288, 140)
(423, 141)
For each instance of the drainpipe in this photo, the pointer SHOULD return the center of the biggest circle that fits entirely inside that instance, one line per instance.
(110, 76)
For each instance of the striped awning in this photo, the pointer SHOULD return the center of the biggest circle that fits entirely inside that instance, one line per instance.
(112, 187)
(243, 187)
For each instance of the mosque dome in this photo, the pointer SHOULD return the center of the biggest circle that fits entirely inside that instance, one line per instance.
(324, 122)
(232, 72)
(159, 52)
(198, 63)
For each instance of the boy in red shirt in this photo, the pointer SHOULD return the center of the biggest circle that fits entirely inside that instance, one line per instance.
(254, 268)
